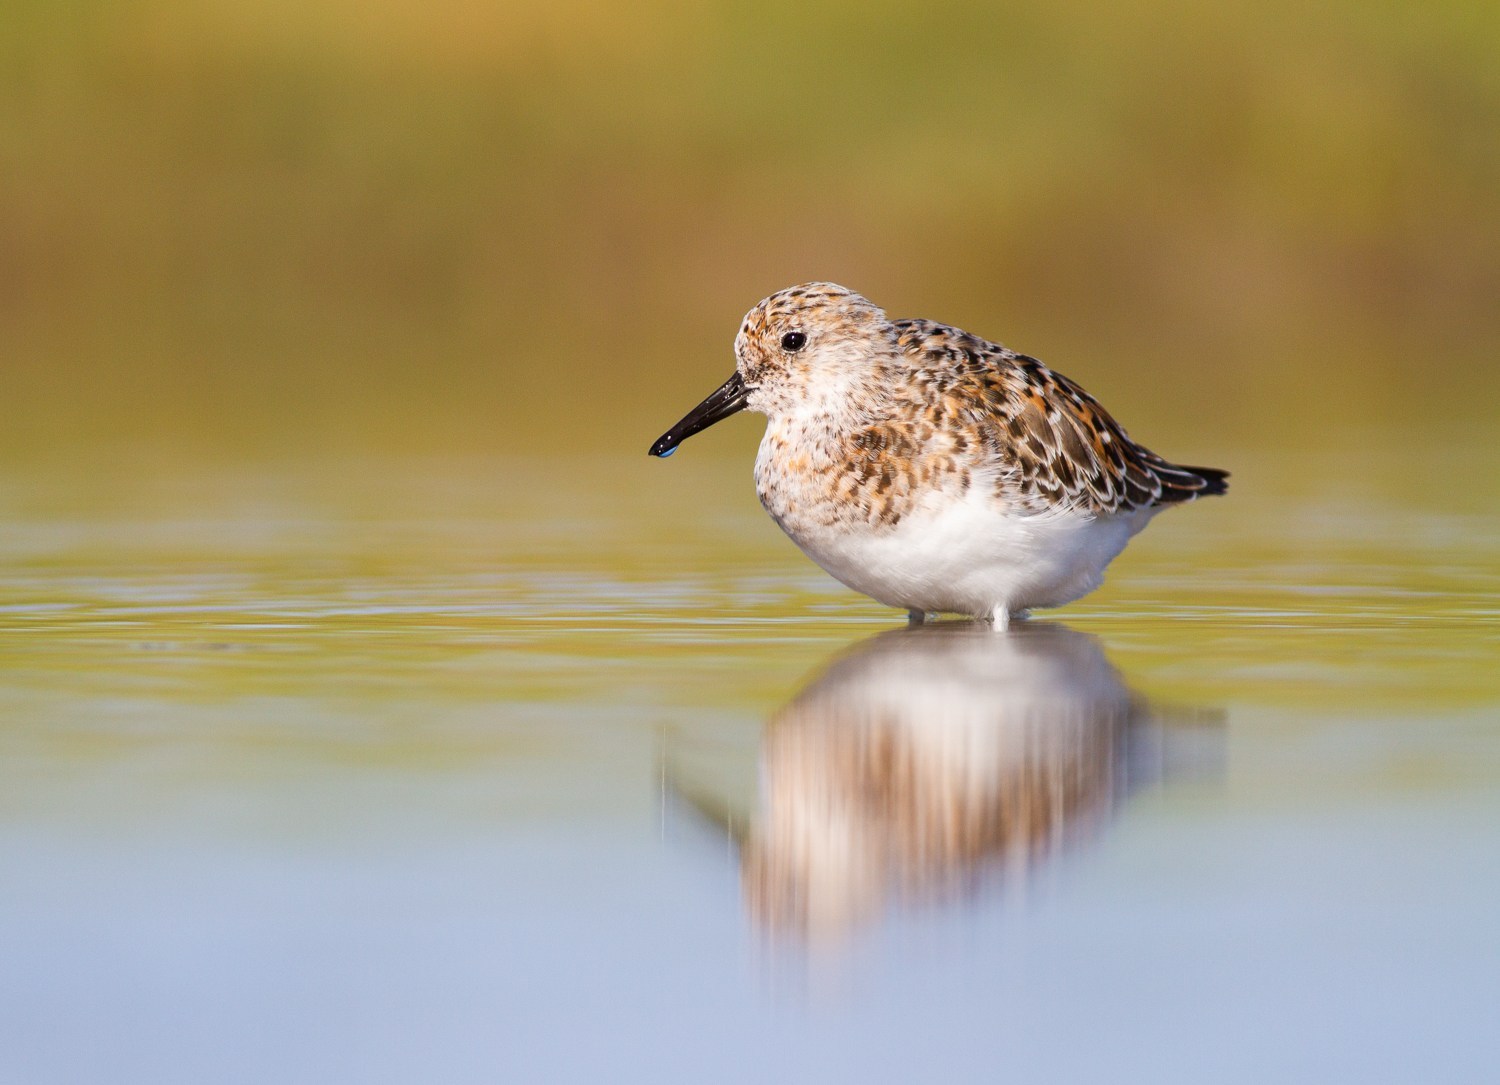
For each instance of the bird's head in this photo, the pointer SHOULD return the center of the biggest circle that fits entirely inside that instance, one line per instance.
(805, 348)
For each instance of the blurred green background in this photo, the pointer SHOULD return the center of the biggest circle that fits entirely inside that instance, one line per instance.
(236, 229)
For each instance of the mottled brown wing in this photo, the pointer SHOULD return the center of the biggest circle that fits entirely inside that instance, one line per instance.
(1069, 450)
(1061, 447)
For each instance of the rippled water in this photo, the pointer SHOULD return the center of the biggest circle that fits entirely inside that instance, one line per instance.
(510, 770)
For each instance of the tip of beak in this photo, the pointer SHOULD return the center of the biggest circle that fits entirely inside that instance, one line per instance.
(729, 397)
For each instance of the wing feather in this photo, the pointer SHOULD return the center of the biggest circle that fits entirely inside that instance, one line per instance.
(1060, 446)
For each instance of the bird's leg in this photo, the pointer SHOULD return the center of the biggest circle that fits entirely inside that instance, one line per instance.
(916, 617)
(1000, 617)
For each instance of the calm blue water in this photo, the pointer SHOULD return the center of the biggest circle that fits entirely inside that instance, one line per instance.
(300, 790)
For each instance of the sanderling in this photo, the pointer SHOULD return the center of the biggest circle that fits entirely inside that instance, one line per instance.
(931, 469)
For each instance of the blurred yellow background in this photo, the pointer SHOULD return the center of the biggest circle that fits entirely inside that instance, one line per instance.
(232, 228)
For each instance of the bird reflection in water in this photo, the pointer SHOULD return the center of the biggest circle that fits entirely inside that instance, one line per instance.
(932, 759)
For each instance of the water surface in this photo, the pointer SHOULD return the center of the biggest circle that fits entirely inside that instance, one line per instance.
(388, 769)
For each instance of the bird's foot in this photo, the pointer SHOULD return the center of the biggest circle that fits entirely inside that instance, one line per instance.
(1001, 617)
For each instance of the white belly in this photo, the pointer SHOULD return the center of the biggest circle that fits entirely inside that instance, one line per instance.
(970, 557)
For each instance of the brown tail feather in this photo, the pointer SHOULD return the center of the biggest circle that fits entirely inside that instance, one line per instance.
(1182, 483)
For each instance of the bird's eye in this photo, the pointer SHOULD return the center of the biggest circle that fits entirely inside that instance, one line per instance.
(792, 342)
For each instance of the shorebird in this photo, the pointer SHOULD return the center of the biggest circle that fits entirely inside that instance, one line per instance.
(931, 469)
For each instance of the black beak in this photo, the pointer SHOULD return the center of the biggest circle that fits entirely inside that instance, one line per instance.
(729, 398)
